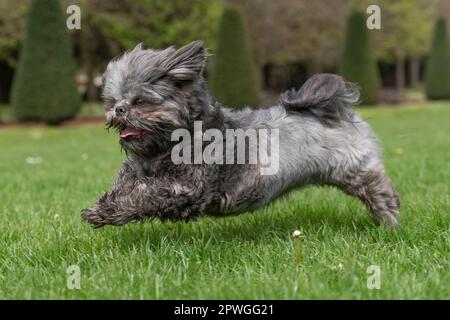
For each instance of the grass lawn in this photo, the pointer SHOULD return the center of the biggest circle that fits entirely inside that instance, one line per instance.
(48, 175)
(88, 110)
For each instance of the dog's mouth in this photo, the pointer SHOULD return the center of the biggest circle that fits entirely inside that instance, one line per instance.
(131, 133)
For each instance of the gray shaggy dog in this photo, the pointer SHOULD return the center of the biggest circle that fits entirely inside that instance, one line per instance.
(322, 141)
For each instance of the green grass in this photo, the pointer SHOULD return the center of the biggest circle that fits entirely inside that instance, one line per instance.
(89, 110)
(248, 256)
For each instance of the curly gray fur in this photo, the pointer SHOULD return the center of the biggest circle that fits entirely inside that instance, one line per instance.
(322, 142)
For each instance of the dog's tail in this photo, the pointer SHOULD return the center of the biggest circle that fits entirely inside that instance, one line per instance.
(327, 97)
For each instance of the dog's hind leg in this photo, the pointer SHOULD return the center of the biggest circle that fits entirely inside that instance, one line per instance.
(376, 191)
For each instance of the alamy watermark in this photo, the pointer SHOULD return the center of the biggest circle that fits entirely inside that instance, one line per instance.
(238, 146)
(73, 21)
(73, 281)
(374, 280)
(373, 21)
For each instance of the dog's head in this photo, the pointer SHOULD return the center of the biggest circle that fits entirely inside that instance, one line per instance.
(147, 94)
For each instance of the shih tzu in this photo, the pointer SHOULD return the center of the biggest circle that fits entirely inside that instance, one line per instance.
(150, 94)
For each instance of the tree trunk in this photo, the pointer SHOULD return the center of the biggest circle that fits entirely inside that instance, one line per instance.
(87, 57)
(414, 70)
(400, 72)
(91, 89)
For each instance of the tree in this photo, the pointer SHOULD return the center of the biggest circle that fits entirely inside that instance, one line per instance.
(357, 63)
(406, 28)
(110, 27)
(12, 23)
(286, 31)
(437, 78)
(12, 17)
(233, 77)
(44, 86)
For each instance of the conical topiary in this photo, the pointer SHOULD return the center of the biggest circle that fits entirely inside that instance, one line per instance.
(233, 79)
(44, 87)
(357, 63)
(437, 77)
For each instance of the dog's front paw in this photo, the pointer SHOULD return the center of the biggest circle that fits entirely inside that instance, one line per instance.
(94, 216)
(107, 211)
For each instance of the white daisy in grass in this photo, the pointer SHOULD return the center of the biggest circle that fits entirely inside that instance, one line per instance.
(33, 160)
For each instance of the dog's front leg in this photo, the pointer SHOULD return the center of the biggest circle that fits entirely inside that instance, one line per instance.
(103, 211)
(147, 197)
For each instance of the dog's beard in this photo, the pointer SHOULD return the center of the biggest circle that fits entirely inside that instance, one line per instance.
(140, 136)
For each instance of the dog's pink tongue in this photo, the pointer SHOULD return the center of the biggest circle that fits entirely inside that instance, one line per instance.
(131, 133)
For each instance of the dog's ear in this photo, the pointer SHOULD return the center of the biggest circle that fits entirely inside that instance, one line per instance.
(138, 47)
(186, 63)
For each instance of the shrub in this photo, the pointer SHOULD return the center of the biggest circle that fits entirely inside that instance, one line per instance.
(357, 63)
(233, 79)
(437, 77)
(44, 87)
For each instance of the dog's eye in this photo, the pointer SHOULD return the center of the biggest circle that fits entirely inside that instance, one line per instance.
(138, 102)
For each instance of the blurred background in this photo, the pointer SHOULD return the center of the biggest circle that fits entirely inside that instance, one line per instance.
(52, 54)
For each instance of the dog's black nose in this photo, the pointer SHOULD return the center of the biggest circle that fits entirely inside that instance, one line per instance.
(120, 110)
